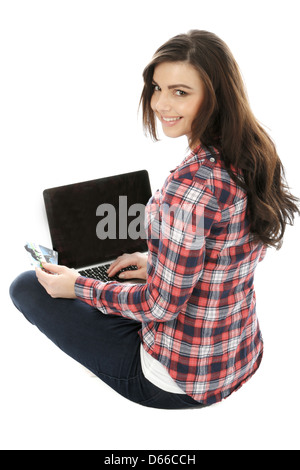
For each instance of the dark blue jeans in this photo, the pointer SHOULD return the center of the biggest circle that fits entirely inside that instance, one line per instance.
(107, 345)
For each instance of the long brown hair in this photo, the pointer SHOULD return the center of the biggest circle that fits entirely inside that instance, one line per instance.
(226, 122)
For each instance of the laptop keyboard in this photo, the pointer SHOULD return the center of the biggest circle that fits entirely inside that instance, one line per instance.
(100, 273)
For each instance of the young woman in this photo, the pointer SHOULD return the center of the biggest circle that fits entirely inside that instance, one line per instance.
(189, 336)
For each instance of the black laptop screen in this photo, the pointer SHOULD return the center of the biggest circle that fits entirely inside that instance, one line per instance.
(89, 221)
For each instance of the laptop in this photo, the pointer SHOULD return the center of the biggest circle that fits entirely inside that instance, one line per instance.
(91, 223)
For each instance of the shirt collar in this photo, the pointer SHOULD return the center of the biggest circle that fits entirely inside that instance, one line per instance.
(193, 155)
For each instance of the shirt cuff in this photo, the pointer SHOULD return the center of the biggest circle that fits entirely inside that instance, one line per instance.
(88, 290)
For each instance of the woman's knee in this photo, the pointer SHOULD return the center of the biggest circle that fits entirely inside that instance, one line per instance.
(23, 287)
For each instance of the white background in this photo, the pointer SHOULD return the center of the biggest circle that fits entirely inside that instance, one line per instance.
(70, 82)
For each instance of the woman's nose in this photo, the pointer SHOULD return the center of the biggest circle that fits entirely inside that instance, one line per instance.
(163, 103)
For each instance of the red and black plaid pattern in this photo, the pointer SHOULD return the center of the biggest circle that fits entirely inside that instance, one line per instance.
(197, 308)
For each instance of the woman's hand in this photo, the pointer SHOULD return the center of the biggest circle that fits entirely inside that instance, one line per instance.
(59, 281)
(135, 259)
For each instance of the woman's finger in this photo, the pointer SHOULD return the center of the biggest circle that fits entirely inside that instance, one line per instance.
(133, 274)
(120, 263)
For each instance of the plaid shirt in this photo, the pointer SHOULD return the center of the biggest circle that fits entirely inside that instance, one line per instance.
(197, 308)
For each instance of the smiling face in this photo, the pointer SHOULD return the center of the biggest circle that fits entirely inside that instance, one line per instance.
(178, 93)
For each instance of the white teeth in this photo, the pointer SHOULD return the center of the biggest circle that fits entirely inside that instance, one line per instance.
(171, 119)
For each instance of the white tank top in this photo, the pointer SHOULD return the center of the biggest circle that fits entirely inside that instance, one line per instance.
(157, 374)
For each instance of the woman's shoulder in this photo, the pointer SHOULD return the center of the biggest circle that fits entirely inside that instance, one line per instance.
(205, 171)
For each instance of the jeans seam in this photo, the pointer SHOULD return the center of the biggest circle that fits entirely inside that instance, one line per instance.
(144, 402)
(112, 377)
(154, 397)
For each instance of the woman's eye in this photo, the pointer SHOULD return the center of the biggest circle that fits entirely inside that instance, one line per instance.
(155, 87)
(180, 93)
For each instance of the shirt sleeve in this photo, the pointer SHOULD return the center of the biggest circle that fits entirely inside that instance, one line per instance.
(177, 251)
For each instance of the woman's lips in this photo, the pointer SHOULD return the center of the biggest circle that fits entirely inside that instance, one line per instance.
(170, 121)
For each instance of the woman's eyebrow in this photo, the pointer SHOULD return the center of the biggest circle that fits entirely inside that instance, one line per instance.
(179, 85)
